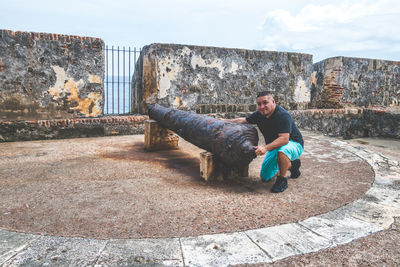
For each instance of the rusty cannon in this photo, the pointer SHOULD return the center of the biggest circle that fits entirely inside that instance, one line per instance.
(231, 143)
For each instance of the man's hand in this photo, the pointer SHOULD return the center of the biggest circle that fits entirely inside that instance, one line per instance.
(260, 150)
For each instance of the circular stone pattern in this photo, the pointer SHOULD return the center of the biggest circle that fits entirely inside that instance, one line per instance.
(109, 187)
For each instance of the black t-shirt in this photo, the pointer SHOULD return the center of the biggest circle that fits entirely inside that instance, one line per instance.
(279, 122)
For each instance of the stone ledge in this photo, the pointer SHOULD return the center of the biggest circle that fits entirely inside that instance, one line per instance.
(344, 122)
(350, 122)
(71, 128)
(51, 36)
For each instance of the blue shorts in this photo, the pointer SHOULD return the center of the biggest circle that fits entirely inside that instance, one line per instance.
(270, 166)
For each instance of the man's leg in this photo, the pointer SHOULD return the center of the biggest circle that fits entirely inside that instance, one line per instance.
(281, 182)
(295, 169)
(269, 167)
(283, 163)
(286, 153)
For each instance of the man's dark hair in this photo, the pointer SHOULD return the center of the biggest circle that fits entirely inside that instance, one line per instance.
(264, 93)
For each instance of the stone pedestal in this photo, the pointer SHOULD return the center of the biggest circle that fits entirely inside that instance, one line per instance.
(156, 137)
(211, 168)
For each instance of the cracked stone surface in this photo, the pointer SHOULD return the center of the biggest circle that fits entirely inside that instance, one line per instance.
(379, 249)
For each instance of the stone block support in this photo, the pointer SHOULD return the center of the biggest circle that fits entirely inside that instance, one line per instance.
(211, 168)
(156, 137)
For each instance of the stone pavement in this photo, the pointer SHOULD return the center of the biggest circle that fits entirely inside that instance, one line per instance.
(373, 213)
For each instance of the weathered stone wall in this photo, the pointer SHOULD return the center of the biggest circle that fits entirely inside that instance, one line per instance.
(342, 81)
(350, 122)
(50, 76)
(48, 81)
(195, 77)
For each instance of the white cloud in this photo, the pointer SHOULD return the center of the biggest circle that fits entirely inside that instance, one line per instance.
(366, 28)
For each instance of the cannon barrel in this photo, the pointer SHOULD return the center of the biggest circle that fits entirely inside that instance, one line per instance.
(232, 143)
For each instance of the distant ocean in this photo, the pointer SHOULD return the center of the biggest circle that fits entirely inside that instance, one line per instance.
(117, 95)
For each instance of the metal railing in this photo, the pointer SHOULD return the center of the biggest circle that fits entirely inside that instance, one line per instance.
(119, 71)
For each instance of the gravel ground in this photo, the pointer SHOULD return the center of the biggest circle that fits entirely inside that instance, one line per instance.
(110, 187)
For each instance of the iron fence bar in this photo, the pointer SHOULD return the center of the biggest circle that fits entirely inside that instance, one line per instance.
(118, 77)
(112, 79)
(123, 78)
(129, 77)
(133, 92)
(113, 88)
(106, 87)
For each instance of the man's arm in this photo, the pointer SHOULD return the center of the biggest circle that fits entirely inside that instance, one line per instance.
(282, 140)
(237, 120)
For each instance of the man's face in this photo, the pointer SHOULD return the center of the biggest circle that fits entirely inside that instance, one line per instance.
(266, 105)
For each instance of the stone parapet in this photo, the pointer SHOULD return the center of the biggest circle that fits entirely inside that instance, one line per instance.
(345, 81)
(50, 76)
(52, 37)
(187, 76)
(351, 122)
(71, 128)
(346, 123)
(342, 122)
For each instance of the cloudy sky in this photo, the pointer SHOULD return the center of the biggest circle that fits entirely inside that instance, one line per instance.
(369, 28)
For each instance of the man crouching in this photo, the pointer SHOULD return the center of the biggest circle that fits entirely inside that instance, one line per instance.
(284, 142)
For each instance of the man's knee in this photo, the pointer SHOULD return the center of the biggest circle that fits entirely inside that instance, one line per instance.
(282, 157)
